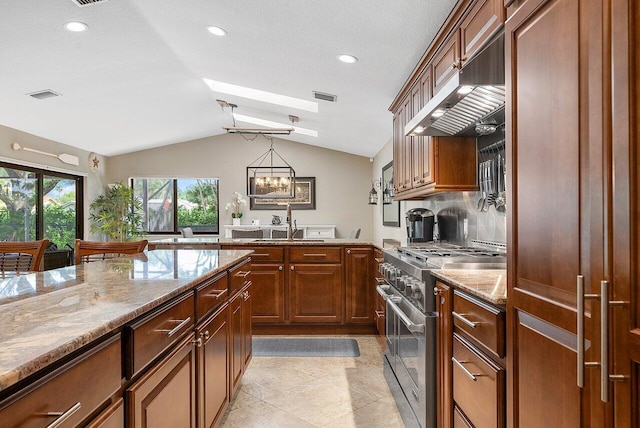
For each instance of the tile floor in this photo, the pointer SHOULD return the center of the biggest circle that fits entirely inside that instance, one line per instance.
(308, 392)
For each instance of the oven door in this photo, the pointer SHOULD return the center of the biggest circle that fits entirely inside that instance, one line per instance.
(390, 327)
(414, 358)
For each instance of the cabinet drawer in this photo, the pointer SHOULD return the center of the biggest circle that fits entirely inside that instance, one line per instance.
(478, 385)
(314, 254)
(211, 294)
(66, 391)
(264, 254)
(150, 336)
(480, 320)
(239, 277)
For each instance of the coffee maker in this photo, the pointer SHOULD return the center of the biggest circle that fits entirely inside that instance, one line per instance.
(420, 222)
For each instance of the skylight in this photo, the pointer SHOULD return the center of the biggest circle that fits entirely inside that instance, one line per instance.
(270, 124)
(256, 94)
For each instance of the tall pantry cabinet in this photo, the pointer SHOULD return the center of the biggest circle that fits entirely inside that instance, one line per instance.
(572, 115)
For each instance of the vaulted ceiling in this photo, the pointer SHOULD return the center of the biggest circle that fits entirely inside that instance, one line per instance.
(137, 77)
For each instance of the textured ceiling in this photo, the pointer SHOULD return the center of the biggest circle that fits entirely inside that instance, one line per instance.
(134, 80)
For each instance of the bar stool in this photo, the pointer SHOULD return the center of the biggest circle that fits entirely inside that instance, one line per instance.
(91, 251)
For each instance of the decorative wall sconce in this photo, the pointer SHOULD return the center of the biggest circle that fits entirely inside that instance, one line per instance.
(373, 194)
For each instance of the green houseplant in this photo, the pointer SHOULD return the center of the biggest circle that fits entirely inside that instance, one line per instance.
(117, 214)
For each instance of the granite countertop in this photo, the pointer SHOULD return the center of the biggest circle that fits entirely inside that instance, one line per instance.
(487, 284)
(260, 242)
(47, 315)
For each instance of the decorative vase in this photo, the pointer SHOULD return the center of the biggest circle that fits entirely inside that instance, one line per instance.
(236, 222)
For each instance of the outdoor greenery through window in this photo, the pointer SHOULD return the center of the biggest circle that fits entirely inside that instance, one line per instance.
(196, 206)
(38, 204)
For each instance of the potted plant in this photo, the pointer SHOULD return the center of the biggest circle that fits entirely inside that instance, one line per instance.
(117, 214)
(236, 207)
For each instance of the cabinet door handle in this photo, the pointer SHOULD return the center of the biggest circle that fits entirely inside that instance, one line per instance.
(436, 291)
(348, 251)
(280, 268)
(243, 273)
(63, 416)
(581, 296)
(293, 267)
(174, 330)
(472, 376)
(465, 320)
(214, 295)
(205, 335)
(197, 342)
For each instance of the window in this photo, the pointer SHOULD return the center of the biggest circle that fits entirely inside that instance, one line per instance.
(39, 204)
(171, 204)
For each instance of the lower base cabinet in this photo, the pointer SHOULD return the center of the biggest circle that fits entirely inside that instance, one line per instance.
(240, 319)
(317, 293)
(111, 417)
(213, 368)
(165, 396)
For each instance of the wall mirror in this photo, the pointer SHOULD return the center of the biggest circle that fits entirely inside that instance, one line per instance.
(390, 210)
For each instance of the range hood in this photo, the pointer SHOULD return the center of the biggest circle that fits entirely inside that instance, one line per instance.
(474, 95)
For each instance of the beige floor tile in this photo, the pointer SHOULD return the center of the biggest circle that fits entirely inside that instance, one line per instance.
(315, 391)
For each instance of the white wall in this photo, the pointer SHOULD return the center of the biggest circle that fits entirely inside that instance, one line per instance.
(342, 180)
(94, 183)
(380, 232)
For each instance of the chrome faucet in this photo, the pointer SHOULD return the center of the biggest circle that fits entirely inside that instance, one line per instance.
(291, 230)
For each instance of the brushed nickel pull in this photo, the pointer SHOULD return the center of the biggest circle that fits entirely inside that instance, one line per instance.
(472, 376)
(348, 251)
(465, 320)
(604, 341)
(436, 291)
(314, 255)
(259, 255)
(581, 296)
(174, 330)
(197, 342)
(205, 335)
(63, 416)
(293, 267)
(280, 268)
(243, 273)
(215, 295)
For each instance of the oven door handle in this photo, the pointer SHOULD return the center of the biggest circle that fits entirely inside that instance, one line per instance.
(382, 291)
(411, 326)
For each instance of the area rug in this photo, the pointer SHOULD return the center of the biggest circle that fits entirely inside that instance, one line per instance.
(292, 347)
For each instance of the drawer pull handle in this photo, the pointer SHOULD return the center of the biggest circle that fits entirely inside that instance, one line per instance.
(63, 416)
(465, 320)
(314, 255)
(174, 330)
(472, 376)
(215, 295)
(243, 273)
(260, 255)
(197, 342)
(280, 267)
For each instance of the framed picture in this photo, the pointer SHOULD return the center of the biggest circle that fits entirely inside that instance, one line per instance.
(305, 197)
(391, 211)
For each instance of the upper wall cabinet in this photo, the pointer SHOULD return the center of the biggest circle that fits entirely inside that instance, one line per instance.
(422, 164)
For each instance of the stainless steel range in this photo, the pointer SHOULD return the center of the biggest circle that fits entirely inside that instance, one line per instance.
(410, 360)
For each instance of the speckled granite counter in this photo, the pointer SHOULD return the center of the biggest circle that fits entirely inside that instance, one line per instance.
(251, 242)
(487, 284)
(48, 315)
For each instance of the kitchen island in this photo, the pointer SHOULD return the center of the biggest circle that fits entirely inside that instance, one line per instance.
(79, 340)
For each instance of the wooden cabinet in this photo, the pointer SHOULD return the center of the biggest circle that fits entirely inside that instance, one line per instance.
(561, 238)
(446, 62)
(471, 375)
(317, 293)
(359, 284)
(63, 395)
(268, 290)
(165, 396)
(481, 22)
(444, 352)
(213, 367)
(241, 331)
(111, 417)
(211, 294)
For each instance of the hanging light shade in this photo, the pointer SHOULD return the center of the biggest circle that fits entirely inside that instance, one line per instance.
(268, 180)
(373, 196)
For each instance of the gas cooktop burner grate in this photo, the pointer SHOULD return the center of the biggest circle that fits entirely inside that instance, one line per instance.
(423, 253)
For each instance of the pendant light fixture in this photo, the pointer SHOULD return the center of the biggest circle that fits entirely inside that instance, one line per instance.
(266, 179)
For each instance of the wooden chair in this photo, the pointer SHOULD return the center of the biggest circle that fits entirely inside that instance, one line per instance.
(21, 257)
(91, 251)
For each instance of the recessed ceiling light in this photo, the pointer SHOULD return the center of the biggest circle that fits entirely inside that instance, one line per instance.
(76, 26)
(270, 124)
(216, 31)
(349, 59)
(256, 94)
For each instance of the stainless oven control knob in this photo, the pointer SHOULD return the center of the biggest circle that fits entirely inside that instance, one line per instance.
(408, 288)
(402, 282)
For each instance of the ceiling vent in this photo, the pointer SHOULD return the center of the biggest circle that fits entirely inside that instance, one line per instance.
(325, 97)
(83, 3)
(42, 95)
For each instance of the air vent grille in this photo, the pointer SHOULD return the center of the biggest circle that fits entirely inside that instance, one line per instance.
(83, 3)
(42, 95)
(325, 97)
